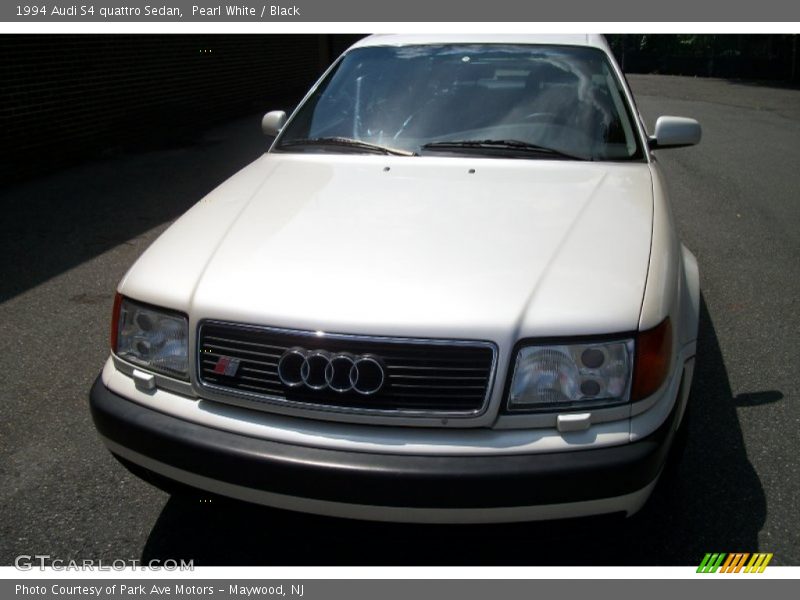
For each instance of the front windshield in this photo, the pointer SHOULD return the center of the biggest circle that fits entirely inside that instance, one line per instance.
(429, 99)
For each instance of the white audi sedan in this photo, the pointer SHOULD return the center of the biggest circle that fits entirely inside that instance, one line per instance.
(451, 291)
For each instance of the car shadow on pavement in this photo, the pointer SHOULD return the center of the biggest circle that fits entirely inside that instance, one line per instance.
(59, 221)
(711, 501)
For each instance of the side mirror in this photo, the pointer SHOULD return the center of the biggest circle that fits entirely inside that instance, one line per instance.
(273, 122)
(675, 132)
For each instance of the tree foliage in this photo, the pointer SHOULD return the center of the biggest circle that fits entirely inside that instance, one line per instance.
(772, 56)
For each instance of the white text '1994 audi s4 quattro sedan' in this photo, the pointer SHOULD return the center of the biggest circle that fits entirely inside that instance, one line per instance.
(451, 291)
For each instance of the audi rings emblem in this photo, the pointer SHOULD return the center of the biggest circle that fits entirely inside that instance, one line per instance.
(340, 372)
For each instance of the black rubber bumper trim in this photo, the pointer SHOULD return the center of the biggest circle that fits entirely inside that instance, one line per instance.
(380, 479)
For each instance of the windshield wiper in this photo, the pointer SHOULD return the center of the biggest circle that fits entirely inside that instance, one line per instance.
(349, 142)
(513, 145)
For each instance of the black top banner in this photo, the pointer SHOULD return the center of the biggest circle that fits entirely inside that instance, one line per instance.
(404, 11)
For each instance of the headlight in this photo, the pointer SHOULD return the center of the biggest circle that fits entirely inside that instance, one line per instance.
(154, 338)
(571, 376)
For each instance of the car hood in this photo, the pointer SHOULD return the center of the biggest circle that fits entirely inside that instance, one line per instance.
(413, 246)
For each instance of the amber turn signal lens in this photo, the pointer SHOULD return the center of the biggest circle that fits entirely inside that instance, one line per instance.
(115, 321)
(653, 360)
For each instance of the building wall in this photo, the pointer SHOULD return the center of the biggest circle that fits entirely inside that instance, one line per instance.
(64, 98)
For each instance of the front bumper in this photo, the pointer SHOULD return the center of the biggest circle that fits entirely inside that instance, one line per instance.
(382, 486)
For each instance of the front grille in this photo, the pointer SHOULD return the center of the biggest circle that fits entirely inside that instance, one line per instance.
(422, 376)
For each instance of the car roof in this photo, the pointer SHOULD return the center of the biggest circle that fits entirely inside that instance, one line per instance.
(588, 40)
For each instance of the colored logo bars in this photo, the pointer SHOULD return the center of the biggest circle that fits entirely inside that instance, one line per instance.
(734, 562)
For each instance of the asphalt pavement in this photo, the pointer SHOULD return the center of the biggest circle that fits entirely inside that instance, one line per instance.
(66, 239)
